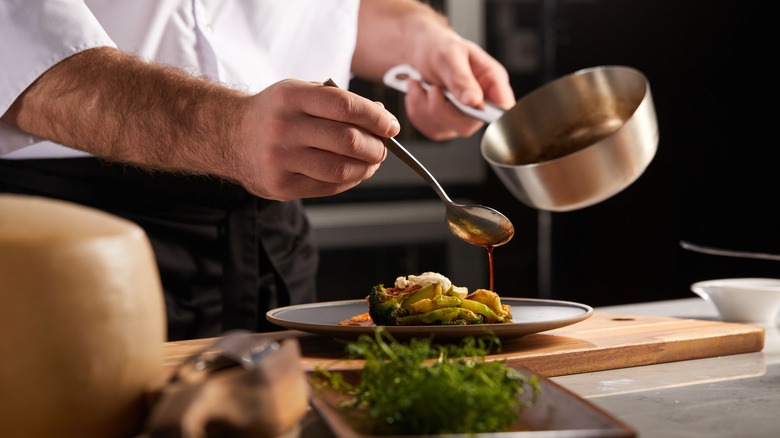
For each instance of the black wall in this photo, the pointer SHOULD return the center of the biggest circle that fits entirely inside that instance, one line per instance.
(715, 177)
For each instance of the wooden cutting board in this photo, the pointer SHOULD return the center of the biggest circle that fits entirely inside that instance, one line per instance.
(604, 341)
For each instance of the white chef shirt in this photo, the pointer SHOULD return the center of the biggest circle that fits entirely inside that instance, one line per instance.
(244, 44)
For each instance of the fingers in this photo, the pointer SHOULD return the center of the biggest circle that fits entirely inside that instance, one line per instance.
(335, 104)
(492, 77)
(300, 186)
(434, 116)
(306, 140)
(455, 74)
(332, 168)
(312, 172)
(338, 138)
(283, 174)
(336, 152)
(471, 75)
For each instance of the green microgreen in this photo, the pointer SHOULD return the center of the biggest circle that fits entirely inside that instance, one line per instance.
(428, 388)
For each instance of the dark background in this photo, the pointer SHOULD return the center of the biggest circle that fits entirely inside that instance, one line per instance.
(713, 181)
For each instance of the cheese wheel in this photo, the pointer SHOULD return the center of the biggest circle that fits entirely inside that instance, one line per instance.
(82, 322)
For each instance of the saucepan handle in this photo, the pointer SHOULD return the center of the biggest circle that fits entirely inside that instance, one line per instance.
(397, 78)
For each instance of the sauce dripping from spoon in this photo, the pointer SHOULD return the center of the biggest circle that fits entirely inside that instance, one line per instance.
(490, 261)
(475, 224)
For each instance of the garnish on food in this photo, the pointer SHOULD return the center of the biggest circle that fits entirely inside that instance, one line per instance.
(431, 298)
(426, 388)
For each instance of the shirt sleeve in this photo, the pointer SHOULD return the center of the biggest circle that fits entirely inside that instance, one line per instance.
(34, 36)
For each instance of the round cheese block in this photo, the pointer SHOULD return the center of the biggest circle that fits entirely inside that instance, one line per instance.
(82, 322)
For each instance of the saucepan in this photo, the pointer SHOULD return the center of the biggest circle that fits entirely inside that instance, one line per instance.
(573, 142)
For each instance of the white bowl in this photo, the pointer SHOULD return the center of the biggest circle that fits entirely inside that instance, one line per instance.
(742, 299)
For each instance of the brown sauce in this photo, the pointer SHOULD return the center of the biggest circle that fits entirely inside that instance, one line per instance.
(574, 139)
(490, 261)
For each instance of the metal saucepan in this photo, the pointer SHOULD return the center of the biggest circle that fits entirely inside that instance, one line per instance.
(571, 143)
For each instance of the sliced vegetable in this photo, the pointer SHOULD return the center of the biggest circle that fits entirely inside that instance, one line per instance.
(428, 291)
(443, 315)
(488, 298)
(455, 291)
(445, 301)
(477, 307)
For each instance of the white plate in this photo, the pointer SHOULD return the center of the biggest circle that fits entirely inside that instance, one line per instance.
(529, 316)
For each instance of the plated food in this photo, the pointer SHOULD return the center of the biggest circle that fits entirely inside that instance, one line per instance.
(335, 319)
(430, 299)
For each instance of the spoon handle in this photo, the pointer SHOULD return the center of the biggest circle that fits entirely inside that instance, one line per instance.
(399, 151)
(406, 156)
(727, 252)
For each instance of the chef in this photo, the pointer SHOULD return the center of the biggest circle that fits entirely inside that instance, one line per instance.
(206, 122)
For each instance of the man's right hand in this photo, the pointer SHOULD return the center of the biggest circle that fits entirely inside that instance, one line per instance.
(293, 140)
(305, 139)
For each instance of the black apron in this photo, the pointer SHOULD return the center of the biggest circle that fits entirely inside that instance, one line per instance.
(225, 257)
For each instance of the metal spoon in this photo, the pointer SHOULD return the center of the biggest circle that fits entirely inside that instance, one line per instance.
(475, 224)
(727, 252)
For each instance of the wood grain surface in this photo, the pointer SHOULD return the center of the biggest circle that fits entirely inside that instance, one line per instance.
(604, 341)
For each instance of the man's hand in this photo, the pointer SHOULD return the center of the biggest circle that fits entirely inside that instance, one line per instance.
(293, 140)
(305, 139)
(470, 74)
(393, 32)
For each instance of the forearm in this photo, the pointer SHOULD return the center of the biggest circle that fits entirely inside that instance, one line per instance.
(118, 107)
(388, 32)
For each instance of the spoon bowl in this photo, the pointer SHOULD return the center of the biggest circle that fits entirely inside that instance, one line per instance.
(475, 224)
(479, 225)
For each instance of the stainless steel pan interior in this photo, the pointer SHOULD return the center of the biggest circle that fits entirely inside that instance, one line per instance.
(575, 141)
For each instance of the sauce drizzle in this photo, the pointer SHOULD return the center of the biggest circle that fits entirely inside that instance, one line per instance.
(490, 261)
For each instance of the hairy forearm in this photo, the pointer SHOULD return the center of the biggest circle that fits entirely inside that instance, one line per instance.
(388, 32)
(120, 108)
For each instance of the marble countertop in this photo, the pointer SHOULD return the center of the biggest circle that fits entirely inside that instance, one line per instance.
(727, 396)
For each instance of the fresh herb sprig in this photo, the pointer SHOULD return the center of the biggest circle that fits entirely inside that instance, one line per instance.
(427, 388)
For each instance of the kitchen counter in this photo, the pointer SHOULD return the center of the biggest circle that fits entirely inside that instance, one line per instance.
(651, 376)
(727, 396)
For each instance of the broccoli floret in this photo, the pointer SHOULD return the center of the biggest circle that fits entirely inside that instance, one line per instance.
(385, 309)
